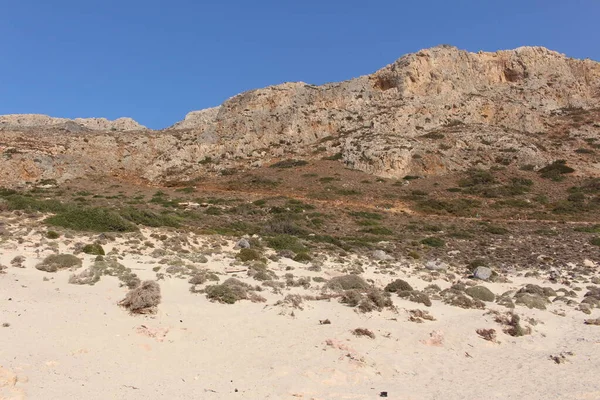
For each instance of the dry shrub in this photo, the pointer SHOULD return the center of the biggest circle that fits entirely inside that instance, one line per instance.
(351, 297)
(295, 300)
(512, 324)
(89, 276)
(18, 262)
(363, 332)
(143, 299)
(398, 285)
(487, 334)
(111, 267)
(2, 269)
(419, 315)
(56, 262)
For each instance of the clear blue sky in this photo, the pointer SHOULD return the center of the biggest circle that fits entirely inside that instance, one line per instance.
(156, 60)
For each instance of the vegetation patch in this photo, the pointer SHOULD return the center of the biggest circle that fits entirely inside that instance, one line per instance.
(556, 170)
(347, 282)
(94, 248)
(92, 220)
(286, 242)
(290, 163)
(433, 242)
(56, 262)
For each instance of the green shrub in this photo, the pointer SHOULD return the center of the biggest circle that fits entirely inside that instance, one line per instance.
(52, 235)
(433, 135)
(228, 292)
(455, 207)
(286, 242)
(91, 219)
(588, 228)
(335, 157)
(290, 163)
(595, 241)
(149, 218)
(496, 230)
(366, 215)
(302, 257)
(433, 242)
(555, 170)
(28, 203)
(377, 230)
(213, 211)
(477, 177)
(249, 255)
(94, 248)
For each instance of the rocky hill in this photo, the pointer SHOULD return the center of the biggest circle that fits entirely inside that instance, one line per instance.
(17, 121)
(431, 112)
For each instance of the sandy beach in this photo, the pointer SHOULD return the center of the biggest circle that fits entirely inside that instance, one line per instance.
(67, 341)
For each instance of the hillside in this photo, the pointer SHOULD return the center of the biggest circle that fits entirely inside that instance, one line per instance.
(432, 112)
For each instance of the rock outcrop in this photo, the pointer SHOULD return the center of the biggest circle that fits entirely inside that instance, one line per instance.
(431, 112)
(38, 120)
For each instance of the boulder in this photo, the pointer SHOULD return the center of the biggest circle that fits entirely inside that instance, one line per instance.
(483, 273)
(381, 255)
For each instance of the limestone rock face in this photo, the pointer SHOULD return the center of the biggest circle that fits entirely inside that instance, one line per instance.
(38, 120)
(431, 112)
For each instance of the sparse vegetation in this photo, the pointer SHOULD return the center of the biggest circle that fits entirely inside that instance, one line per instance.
(290, 163)
(56, 262)
(433, 242)
(347, 282)
(363, 332)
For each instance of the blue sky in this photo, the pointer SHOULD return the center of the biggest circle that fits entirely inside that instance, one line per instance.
(156, 60)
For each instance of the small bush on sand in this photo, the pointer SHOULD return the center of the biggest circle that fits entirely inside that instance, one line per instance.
(487, 334)
(351, 297)
(229, 291)
(56, 262)
(595, 241)
(363, 332)
(376, 299)
(89, 276)
(513, 324)
(397, 285)
(95, 249)
(302, 257)
(111, 267)
(249, 255)
(347, 282)
(143, 299)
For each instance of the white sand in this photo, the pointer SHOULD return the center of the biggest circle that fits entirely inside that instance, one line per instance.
(73, 342)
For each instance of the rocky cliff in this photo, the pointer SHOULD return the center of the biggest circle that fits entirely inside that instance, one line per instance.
(431, 112)
(38, 120)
